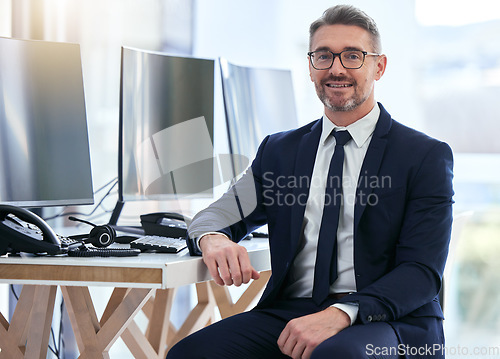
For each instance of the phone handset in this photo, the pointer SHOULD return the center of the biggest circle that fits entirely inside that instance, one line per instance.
(18, 238)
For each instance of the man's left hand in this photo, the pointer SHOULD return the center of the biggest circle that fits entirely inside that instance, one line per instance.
(302, 335)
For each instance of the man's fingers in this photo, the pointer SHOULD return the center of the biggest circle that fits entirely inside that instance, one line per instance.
(240, 268)
(282, 339)
(255, 274)
(225, 272)
(235, 268)
(214, 271)
(298, 351)
(307, 352)
(247, 271)
(289, 344)
(227, 262)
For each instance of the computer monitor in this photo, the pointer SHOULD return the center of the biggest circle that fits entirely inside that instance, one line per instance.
(166, 128)
(44, 146)
(257, 102)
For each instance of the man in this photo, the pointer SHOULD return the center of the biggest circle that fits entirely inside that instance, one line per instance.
(356, 269)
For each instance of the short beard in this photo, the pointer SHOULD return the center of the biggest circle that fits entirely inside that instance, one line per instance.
(349, 105)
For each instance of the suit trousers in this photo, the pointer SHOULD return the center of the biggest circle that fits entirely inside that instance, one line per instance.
(254, 335)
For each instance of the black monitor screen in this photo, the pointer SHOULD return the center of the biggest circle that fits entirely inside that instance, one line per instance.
(166, 126)
(44, 147)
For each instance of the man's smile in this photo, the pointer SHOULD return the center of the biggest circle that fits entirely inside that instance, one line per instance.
(333, 85)
(338, 82)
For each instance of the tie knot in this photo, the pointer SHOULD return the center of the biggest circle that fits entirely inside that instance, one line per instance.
(342, 137)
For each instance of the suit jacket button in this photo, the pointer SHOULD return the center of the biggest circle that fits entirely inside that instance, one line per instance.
(369, 318)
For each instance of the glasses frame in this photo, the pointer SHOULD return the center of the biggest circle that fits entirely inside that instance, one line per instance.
(338, 54)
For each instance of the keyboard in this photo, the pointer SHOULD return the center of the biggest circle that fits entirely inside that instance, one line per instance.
(66, 242)
(159, 244)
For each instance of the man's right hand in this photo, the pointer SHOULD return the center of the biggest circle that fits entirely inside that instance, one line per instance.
(228, 262)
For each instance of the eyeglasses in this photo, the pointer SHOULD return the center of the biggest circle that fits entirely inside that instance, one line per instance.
(350, 59)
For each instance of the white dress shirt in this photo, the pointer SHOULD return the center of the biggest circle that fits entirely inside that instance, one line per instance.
(302, 271)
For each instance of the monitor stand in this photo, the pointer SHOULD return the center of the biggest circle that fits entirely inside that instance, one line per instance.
(134, 230)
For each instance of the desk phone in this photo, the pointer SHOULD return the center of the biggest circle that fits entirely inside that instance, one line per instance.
(24, 231)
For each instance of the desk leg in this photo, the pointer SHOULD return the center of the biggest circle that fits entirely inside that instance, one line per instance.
(159, 323)
(29, 330)
(210, 296)
(161, 334)
(95, 339)
(199, 317)
(153, 343)
(41, 314)
(225, 303)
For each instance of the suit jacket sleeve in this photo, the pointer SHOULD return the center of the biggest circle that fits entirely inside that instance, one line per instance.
(237, 213)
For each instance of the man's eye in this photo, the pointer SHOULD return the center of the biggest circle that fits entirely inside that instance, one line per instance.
(324, 56)
(352, 56)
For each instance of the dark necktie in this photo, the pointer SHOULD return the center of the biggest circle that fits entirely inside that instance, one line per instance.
(325, 270)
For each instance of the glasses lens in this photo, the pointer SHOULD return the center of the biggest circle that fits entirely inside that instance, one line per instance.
(352, 59)
(322, 60)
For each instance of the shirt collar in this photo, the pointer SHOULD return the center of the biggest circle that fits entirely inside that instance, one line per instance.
(360, 130)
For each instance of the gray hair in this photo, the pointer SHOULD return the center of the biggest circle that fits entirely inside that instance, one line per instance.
(347, 15)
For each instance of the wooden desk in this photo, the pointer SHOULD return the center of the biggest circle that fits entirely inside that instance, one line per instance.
(147, 282)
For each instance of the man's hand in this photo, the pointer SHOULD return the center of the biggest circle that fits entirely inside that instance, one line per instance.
(228, 262)
(302, 335)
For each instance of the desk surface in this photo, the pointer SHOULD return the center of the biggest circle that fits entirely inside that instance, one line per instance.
(148, 270)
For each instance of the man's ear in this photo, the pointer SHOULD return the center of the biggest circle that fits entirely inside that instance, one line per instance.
(381, 65)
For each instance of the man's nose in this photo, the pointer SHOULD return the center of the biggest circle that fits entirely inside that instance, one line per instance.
(337, 66)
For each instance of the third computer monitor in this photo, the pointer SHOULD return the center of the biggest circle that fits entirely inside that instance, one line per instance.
(258, 102)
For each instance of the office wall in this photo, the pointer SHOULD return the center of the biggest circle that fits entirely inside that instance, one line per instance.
(275, 34)
(5, 18)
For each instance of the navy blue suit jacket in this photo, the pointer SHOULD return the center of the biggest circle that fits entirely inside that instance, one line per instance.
(403, 217)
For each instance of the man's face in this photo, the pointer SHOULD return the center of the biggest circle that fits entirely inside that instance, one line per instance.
(342, 89)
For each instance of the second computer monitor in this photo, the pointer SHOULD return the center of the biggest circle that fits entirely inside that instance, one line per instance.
(166, 126)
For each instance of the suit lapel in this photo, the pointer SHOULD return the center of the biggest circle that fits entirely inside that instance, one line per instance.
(371, 164)
(304, 164)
